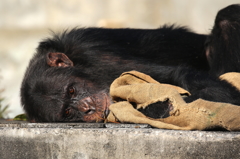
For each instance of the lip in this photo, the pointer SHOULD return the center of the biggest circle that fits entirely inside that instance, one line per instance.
(107, 104)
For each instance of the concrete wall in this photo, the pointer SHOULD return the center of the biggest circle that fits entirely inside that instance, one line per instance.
(78, 141)
(23, 23)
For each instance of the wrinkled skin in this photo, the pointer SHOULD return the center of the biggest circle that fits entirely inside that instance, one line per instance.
(68, 78)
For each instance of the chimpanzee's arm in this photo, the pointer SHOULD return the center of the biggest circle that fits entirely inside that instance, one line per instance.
(199, 84)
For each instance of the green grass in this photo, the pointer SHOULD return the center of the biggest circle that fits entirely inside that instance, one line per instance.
(3, 108)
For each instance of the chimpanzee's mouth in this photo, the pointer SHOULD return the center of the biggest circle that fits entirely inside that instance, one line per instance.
(107, 104)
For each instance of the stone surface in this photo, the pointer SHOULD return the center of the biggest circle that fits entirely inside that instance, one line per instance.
(95, 141)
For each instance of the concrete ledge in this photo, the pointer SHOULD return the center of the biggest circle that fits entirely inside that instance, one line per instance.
(112, 141)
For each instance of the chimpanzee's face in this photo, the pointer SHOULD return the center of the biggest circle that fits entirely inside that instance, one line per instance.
(81, 101)
(64, 98)
(64, 93)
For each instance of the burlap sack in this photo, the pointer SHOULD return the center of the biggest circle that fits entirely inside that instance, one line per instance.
(141, 89)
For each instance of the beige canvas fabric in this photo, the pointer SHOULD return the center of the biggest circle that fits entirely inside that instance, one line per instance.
(232, 78)
(141, 89)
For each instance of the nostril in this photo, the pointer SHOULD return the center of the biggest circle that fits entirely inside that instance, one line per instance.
(90, 111)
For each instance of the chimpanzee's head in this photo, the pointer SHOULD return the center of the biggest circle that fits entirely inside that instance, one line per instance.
(223, 44)
(58, 94)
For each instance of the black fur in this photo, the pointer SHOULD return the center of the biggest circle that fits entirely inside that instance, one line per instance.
(169, 54)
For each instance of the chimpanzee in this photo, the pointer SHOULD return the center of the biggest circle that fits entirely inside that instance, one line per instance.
(68, 78)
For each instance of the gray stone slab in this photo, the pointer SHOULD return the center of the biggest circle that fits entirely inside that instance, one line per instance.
(52, 125)
(23, 124)
(90, 140)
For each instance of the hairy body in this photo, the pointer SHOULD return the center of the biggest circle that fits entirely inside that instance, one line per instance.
(69, 76)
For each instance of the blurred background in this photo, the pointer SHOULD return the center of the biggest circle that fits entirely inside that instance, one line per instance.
(23, 23)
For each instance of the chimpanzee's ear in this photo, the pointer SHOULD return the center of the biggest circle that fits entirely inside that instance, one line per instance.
(56, 59)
